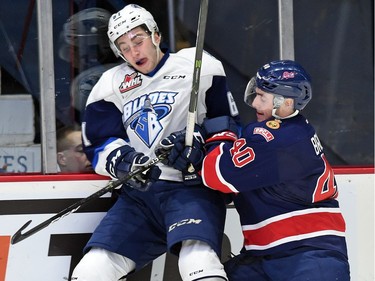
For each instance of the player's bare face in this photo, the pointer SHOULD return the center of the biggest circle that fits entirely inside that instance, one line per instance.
(75, 159)
(138, 49)
(263, 104)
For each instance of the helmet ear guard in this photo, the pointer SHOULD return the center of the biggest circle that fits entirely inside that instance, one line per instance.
(277, 101)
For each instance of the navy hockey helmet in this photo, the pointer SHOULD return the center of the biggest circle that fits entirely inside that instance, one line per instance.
(285, 78)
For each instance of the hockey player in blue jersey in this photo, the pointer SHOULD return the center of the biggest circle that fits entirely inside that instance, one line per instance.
(283, 187)
(130, 110)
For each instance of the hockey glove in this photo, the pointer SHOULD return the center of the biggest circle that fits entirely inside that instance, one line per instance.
(181, 157)
(220, 129)
(124, 160)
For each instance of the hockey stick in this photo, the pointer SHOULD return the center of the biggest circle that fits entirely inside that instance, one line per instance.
(196, 76)
(19, 236)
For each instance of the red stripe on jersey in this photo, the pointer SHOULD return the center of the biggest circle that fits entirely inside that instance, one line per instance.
(211, 174)
(293, 227)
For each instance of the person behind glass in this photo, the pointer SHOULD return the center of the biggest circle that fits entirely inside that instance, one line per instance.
(283, 185)
(70, 155)
(130, 110)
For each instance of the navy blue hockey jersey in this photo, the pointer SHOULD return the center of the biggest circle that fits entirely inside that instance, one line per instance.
(284, 188)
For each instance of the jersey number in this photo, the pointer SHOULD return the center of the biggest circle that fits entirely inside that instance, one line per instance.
(240, 155)
(326, 185)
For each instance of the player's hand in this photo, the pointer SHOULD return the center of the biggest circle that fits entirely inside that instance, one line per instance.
(220, 129)
(166, 145)
(124, 160)
(180, 156)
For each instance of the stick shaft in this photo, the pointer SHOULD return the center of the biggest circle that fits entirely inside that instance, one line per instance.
(19, 236)
(71, 209)
(196, 74)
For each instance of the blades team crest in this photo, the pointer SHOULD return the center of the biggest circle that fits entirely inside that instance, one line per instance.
(147, 126)
(146, 122)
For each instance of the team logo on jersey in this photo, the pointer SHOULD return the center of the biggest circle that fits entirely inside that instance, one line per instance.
(147, 127)
(264, 133)
(273, 124)
(143, 115)
(130, 82)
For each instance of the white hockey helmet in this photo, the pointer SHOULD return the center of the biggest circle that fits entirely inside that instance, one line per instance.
(130, 17)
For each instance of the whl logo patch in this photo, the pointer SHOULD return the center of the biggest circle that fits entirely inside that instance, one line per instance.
(130, 82)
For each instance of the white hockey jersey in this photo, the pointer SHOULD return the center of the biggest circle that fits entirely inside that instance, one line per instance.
(127, 107)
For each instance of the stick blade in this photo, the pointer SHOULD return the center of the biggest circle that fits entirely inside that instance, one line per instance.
(17, 237)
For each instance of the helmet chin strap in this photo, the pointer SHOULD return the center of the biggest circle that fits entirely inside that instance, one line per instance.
(156, 46)
(286, 117)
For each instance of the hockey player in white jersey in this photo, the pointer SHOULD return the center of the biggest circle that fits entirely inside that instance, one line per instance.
(130, 110)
